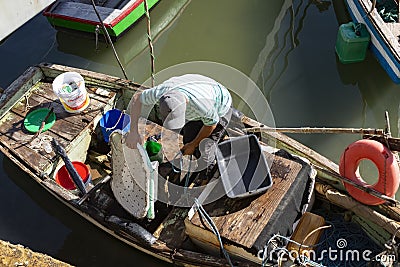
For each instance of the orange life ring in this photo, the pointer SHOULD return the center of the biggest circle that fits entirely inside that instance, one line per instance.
(383, 159)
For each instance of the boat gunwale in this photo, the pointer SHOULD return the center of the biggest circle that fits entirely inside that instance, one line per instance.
(383, 29)
(383, 41)
(125, 11)
(159, 249)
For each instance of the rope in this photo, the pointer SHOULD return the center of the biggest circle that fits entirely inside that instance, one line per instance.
(180, 162)
(302, 260)
(355, 237)
(357, 28)
(109, 39)
(153, 70)
(214, 229)
(115, 125)
(187, 176)
(372, 7)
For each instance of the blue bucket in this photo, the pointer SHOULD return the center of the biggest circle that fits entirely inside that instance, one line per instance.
(113, 120)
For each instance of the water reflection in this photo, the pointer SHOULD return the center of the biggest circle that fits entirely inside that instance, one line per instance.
(30, 212)
(286, 47)
(281, 41)
(129, 46)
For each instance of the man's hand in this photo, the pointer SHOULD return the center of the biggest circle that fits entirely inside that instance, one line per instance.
(188, 149)
(132, 139)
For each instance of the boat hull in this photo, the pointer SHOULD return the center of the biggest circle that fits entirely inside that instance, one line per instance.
(384, 45)
(163, 237)
(116, 26)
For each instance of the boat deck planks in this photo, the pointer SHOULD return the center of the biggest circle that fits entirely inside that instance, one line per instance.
(247, 217)
(67, 128)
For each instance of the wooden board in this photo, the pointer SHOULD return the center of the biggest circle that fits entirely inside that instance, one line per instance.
(307, 234)
(69, 128)
(242, 220)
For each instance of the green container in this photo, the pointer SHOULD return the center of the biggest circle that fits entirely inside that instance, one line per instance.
(154, 151)
(350, 46)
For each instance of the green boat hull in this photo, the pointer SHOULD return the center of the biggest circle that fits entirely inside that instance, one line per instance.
(114, 31)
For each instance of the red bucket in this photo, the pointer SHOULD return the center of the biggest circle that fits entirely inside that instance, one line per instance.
(64, 179)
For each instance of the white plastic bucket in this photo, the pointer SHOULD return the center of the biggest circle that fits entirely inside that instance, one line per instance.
(70, 88)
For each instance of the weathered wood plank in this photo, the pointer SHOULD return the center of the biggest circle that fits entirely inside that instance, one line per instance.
(93, 91)
(13, 126)
(36, 161)
(38, 101)
(92, 78)
(391, 142)
(64, 193)
(291, 145)
(13, 133)
(97, 102)
(242, 220)
(10, 153)
(66, 129)
(18, 88)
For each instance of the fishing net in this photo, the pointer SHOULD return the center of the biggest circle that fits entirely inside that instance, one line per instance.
(134, 180)
(388, 10)
(344, 244)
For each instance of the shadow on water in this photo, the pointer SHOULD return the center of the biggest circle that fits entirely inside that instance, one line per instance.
(47, 226)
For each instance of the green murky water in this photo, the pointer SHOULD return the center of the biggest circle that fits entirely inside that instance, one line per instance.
(285, 47)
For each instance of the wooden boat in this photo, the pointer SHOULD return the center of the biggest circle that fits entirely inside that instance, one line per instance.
(176, 234)
(117, 16)
(384, 35)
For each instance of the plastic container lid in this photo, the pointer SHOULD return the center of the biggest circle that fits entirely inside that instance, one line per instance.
(64, 179)
(34, 119)
(349, 33)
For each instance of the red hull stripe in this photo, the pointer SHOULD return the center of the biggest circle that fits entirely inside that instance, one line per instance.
(108, 25)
